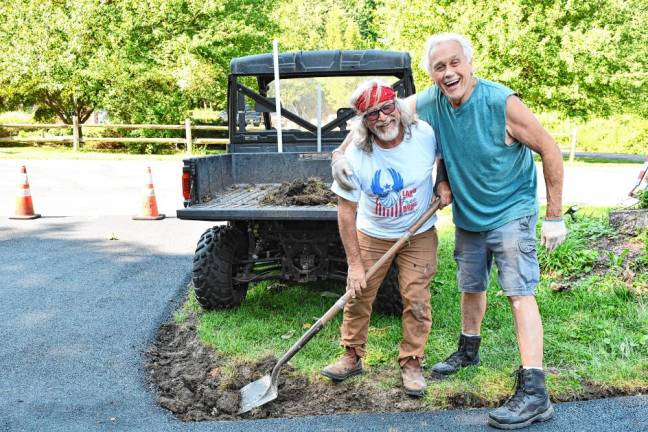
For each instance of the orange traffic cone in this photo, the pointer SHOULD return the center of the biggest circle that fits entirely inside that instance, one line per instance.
(149, 207)
(24, 204)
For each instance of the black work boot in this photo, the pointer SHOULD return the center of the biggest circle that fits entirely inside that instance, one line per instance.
(530, 402)
(466, 355)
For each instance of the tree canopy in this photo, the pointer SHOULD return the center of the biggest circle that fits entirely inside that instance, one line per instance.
(154, 60)
(579, 58)
(140, 60)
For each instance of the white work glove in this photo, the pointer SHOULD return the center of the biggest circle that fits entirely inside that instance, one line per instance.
(342, 172)
(553, 233)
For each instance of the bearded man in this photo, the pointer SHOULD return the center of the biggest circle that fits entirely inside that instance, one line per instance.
(392, 157)
(486, 138)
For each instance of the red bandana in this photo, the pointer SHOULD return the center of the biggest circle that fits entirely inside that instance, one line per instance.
(373, 96)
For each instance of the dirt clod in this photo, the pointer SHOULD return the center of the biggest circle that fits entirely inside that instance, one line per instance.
(309, 192)
(629, 221)
(467, 400)
(229, 402)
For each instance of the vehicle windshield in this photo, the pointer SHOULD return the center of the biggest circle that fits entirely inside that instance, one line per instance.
(300, 95)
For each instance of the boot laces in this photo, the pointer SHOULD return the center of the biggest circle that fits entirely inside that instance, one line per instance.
(456, 358)
(514, 402)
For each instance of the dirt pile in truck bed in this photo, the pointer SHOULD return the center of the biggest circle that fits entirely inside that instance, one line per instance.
(301, 192)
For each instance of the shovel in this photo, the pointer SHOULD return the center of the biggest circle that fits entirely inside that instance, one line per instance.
(265, 389)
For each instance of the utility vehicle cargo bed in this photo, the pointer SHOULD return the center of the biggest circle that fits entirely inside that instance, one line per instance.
(231, 186)
(243, 202)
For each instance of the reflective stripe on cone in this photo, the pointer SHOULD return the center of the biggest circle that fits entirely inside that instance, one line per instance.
(24, 203)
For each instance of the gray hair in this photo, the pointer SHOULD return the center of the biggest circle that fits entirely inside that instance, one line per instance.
(363, 137)
(439, 38)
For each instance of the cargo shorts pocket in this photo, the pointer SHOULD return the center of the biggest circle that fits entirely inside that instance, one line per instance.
(527, 240)
(527, 246)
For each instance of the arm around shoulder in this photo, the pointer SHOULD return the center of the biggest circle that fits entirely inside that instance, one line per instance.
(410, 103)
(442, 185)
(341, 149)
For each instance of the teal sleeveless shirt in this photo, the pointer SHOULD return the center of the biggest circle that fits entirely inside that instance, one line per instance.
(492, 183)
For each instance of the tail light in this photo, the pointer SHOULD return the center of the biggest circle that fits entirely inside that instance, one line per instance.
(186, 185)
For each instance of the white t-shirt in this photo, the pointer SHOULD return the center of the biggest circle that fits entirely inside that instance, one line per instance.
(393, 187)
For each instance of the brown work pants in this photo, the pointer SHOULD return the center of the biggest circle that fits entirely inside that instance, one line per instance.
(417, 262)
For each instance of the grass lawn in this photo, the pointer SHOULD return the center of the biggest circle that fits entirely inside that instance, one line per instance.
(596, 329)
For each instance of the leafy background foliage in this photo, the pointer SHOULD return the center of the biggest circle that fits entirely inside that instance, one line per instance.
(154, 60)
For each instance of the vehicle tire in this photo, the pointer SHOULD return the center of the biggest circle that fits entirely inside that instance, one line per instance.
(388, 300)
(214, 263)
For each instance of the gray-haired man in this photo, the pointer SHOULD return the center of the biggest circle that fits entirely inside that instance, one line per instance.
(486, 135)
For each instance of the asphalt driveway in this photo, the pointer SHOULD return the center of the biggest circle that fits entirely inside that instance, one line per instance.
(81, 298)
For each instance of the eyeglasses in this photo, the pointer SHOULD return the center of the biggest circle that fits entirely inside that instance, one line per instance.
(386, 109)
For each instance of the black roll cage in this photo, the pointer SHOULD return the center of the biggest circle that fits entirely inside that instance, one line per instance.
(304, 64)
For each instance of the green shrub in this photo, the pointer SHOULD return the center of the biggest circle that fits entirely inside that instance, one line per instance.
(589, 227)
(643, 199)
(14, 117)
(618, 134)
(641, 262)
(145, 148)
(570, 258)
(573, 257)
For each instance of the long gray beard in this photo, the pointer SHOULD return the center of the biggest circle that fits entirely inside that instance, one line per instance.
(387, 136)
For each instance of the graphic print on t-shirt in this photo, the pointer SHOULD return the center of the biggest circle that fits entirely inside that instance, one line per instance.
(391, 199)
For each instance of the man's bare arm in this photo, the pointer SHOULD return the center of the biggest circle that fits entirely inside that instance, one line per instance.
(342, 147)
(410, 103)
(522, 125)
(346, 221)
(442, 185)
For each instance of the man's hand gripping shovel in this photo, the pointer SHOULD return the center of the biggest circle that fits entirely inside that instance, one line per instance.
(265, 389)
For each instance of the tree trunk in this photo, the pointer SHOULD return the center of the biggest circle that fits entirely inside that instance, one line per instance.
(629, 221)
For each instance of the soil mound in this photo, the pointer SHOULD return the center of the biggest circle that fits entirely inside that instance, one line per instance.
(196, 383)
(309, 192)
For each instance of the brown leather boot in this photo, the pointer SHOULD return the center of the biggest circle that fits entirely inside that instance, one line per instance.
(347, 366)
(412, 376)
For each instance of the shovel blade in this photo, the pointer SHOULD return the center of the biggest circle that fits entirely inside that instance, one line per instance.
(257, 393)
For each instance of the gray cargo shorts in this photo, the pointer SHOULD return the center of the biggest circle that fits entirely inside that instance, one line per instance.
(513, 246)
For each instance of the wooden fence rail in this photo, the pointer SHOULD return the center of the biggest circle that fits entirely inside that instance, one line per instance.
(77, 137)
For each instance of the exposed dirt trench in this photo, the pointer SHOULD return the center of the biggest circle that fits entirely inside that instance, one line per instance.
(196, 383)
